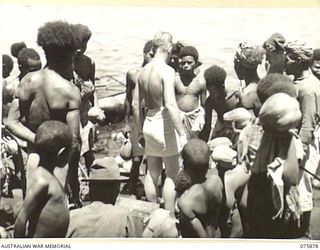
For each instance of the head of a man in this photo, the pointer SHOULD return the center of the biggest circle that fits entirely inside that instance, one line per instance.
(53, 143)
(195, 156)
(59, 41)
(162, 43)
(29, 61)
(247, 59)
(104, 180)
(147, 52)
(215, 78)
(275, 83)
(315, 64)
(16, 48)
(7, 65)
(85, 34)
(275, 56)
(298, 58)
(188, 59)
(174, 59)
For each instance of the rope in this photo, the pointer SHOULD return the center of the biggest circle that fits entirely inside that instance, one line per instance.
(111, 77)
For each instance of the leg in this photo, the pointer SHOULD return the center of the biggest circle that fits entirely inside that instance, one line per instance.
(154, 167)
(20, 170)
(134, 174)
(72, 178)
(89, 156)
(169, 194)
(88, 159)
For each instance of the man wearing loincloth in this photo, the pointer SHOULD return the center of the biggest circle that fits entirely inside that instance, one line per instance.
(162, 124)
(190, 92)
(137, 151)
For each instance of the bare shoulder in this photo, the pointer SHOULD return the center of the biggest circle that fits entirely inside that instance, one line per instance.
(41, 178)
(168, 69)
(213, 186)
(29, 84)
(31, 80)
(191, 196)
(132, 74)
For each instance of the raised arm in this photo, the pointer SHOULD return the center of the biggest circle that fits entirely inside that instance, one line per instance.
(37, 197)
(170, 100)
(205, 132)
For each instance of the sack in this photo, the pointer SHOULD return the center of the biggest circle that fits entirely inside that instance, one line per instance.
(126, 150)
(224, 156)
(280, 113)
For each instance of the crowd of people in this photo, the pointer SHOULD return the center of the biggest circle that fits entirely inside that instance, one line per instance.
(221, 163)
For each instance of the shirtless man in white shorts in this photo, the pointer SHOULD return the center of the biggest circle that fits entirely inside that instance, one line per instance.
(162, 126)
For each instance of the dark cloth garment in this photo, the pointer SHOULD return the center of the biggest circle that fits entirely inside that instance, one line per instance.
(261, 209)
(103, 220)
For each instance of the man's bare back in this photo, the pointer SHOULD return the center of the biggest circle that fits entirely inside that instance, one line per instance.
(151, 83)
(45, 207)
(189, 94)
(45, 95)
(201, 201)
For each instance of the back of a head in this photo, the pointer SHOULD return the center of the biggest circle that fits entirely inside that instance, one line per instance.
(215, 76)
(148, 46)
(29, 57)
(16, 48)
(51, 137)
(58, 39)
(316, 55)
(163, 41)
(83, 31)
(7, 65)
(273, 84)
(195, 155)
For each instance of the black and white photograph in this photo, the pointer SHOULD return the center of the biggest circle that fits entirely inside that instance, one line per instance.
(160, 122)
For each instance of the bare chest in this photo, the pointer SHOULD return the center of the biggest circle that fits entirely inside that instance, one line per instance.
(184, 88)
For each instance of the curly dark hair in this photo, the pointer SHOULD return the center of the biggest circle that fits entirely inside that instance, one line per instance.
(215, 75)
(84, 32)
(52, 136)
(58, 38)
(316, 55)
(195, 155)
(26, 53)
(183, 182)
(7, 65)
(273, 84)
(16, 48)
(148, 46)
